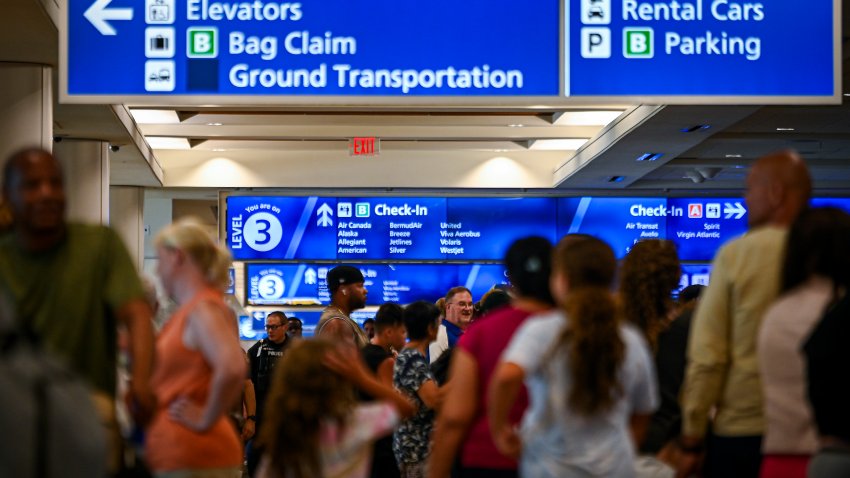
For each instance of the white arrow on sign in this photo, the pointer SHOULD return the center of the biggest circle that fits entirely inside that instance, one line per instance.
(98, 15)
(325, 212)
(737, 210)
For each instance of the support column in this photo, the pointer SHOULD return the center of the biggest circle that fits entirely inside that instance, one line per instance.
(86, 168)
(126, 216)
(26, 108)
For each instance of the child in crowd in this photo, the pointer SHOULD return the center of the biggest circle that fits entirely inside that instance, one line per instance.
(589, 378)
(411, 376)
(314, 423)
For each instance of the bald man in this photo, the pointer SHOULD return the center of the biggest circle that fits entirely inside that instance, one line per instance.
(722, 374)
(72, 285)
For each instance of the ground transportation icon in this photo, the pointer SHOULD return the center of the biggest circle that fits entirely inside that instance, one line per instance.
(161, 75)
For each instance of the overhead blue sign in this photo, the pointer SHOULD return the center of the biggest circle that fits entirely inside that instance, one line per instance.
(699, 227)
(694, 274)
(484, 228)
(283, 284)
(480, 278)
(721, 48)
(621, 222)
(398, 229)
(840, 203)
(281, 227)
(270, 284)
(388, 228)
(382, 228)
(313, 47)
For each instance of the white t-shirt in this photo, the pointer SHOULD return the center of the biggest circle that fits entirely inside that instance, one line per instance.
(557, 442)
(440, 345)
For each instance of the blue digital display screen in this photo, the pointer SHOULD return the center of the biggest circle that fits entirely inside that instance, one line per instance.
(484, 228)
(411, 282)
(695, 274)
(699, 226)
(306, 284)
(309, 320)
(398, 229)
(693, 48)
(387, 228)
(281, 227)
(480, 278)
(284, 284)
(840, 203)
(253, 327)
(316, 47)
(231, 281)
(620, 222)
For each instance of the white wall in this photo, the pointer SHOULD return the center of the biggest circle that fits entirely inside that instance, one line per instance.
(326, 169)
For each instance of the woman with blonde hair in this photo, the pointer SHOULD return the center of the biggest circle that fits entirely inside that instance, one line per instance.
(589, 376)
(199, 366)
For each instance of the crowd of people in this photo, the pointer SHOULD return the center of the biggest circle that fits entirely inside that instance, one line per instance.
(585, 365)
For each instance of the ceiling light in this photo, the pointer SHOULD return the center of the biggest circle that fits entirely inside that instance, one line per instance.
(694, 176)
(219, 149)
(155, 116)
(616, 179)
(696, 127)
(649, 156)
(709, 172)
(733, 156)
(167, 142)
(586, 118)
(516, 125)
(846, 94)
(213, 124)
(565, 144)
(784, 129)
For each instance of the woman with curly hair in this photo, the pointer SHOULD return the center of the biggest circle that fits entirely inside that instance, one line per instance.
(589, 375)
(648, 276)
(315, 427)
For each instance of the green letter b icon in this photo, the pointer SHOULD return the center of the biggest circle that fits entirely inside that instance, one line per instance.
(201, 42)
(637, 43)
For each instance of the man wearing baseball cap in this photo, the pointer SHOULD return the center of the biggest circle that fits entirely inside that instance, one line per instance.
(348, 294)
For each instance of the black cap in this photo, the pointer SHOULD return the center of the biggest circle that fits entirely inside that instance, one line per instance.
(342, 275)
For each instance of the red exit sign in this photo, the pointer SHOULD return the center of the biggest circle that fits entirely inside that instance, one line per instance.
(367, 146)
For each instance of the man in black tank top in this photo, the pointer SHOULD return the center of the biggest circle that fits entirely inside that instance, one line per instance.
(345, 284)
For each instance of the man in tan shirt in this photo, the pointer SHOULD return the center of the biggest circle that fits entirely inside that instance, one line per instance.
(722, 375)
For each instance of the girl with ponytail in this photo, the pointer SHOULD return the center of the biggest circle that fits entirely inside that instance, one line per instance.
(589, 375)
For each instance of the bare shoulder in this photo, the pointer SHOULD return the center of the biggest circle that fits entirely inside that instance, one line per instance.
(209, 311)
(334, 326)
(207, 319)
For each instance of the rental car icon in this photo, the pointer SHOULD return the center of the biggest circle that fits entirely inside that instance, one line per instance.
(595, 11)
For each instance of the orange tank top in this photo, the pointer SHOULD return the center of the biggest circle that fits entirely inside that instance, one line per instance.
(179, 371)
